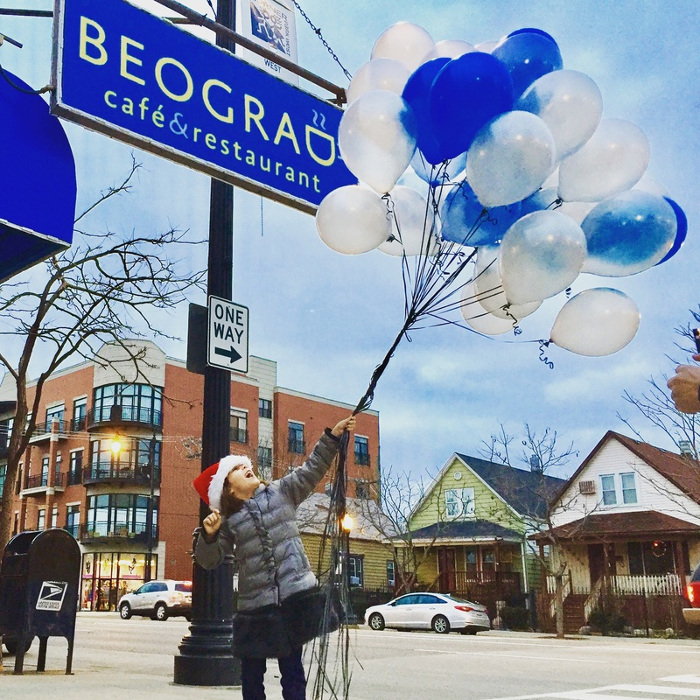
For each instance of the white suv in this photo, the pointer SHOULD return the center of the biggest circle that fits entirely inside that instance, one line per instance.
(158, 600)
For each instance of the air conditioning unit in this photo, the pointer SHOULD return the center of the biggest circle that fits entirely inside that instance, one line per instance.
(587, 487)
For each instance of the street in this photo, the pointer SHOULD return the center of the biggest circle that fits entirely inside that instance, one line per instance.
(116, 658)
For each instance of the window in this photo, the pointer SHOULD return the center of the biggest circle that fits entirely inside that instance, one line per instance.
(355, 570)
(3, 475)
(41, 520)
(134, 456)
(44, 471)
(296, 438)
(73, 520)
(5, 430)
(136, 403)
(264, 463)
(239, 426)
(75, 468)
(607, 483)
(120, 514)
(55, 413)
(54, 516)
(390, 573)
(629, 490)
(459, 503)
(361, 450)
(264, 408)
(79, 414)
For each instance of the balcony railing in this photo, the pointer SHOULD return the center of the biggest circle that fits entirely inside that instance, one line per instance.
(37, 481)
(124, 415)
(42, 431)
(297, 447)
(79, 424)
(649, 585)
(120, 471)
(105, 530)
(73, 529)
(75, 477)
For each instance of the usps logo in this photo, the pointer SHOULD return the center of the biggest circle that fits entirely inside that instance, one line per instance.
(51, 595)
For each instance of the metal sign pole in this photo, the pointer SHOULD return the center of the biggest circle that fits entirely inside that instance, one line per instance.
(206, 657)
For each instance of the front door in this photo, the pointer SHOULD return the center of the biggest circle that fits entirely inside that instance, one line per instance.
(599, 557)
(446, 568)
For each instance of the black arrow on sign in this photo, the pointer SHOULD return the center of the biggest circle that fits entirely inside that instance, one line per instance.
(232, 354)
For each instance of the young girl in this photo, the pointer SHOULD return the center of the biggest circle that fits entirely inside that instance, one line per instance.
(273, 569)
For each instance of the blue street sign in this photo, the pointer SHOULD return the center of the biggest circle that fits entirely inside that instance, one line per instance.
(37, 180)
(140, 79)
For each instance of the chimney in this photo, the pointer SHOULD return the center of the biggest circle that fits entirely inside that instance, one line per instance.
(686, 448)
(535, 464)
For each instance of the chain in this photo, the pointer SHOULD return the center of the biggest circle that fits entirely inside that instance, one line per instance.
(317, 32)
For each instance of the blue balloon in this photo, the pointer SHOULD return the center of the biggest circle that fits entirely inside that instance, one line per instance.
(681, 230)
(416, 93)
(467, 222)
(533, 30)
(628, 233)
(528, 55)
(466, 94)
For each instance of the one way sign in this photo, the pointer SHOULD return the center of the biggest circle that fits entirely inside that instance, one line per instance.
(227, 345)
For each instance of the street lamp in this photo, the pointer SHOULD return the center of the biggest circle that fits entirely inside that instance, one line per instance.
(149, 511)
(347, 522)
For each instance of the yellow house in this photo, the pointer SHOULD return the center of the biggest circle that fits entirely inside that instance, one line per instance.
(470, 529)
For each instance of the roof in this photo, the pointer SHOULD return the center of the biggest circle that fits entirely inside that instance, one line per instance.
(644, 524)
(682, 471)
(465, 530)
(527, 492)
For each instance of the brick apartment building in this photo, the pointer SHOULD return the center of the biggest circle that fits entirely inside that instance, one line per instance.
(117, 445)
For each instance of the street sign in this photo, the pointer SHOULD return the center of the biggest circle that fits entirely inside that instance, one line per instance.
(227, 343)
(138, 78)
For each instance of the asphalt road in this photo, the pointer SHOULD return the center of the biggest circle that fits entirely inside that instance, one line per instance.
(134, 659)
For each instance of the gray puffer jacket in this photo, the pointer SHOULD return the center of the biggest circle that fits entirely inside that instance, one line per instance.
(272, 563)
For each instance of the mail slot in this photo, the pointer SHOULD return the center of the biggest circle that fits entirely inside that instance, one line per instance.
(39, 575)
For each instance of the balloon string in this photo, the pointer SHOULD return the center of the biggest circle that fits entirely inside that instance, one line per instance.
(544, 344)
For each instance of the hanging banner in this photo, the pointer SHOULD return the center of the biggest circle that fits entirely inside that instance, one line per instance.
(140, 79)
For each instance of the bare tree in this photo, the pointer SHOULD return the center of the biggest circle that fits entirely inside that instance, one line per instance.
(541, 452)
(105, 288)
(400, 495)
(658, 410)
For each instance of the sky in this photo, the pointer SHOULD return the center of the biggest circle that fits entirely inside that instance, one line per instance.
(328, 319)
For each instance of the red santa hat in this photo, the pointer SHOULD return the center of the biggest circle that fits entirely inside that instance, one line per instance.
(210, 483)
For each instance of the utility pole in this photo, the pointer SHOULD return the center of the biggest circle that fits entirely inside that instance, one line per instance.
(206, 656)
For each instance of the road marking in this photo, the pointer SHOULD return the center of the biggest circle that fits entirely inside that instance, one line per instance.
(608, 690)
(514, 656)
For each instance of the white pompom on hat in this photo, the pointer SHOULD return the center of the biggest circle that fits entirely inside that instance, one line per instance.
(210, 483)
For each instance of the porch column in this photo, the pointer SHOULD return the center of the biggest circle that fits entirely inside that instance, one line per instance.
(680, 565)
(523, 558)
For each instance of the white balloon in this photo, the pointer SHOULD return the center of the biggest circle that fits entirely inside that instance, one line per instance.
(488, 288)
(376, 137)
(541, 255)
(613, 160)
(479, 319)
(352, 220)
(404, 42)
(648, 184)
(410, 230)
(378, 74)
(571, 105)
(487, 46)
(510, 158)
(449, 48)
(596, 322)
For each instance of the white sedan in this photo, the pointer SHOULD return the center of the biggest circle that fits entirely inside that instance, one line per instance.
(437, 611)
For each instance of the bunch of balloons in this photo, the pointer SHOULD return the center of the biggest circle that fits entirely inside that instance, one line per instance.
(519, 168)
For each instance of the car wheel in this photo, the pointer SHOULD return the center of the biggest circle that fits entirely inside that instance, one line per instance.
(12, 644)
(440, 624)
(125, 611)
(161, 612)
(376, 622)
